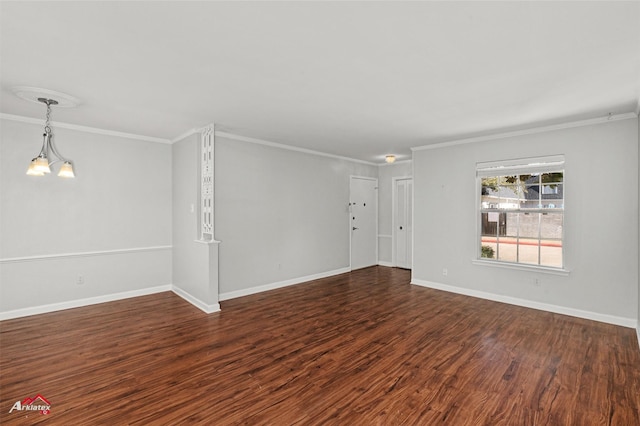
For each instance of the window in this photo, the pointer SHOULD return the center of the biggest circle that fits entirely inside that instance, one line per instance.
(521, 211)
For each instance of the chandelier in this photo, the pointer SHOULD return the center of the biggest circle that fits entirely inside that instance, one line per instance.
(49, 155)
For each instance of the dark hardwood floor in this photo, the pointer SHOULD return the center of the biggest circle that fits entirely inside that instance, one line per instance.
(364, 348)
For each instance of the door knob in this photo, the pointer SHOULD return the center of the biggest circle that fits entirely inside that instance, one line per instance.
(354, 228)
(401, 228)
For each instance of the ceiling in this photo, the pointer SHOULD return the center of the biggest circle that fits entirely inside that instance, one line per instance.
(355, 79)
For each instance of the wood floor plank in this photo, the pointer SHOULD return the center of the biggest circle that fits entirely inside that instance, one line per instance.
(364, 348)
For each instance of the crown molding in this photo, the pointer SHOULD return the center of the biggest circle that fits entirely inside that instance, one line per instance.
(237, 137)
(531, 131)
(185, 135)
(288, 147)
(86, 129)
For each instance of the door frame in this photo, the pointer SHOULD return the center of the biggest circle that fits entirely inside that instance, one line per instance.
(394, 197)
(351, 178)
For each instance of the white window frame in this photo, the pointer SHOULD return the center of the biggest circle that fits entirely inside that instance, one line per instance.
(546, 164)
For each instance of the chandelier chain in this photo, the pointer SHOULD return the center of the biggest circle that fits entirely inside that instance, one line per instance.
(47, 128)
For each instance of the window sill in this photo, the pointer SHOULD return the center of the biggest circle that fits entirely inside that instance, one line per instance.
(522, 267)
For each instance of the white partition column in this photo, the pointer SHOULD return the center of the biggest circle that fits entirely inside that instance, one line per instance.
(195, 255)
(207, 187)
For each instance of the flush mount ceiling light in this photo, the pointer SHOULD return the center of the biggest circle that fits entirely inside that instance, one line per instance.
(390, 158)
(42, 163)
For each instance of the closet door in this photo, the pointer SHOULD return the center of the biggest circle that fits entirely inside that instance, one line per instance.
(402, 230)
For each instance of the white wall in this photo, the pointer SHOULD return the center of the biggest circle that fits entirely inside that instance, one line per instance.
(386, 173)
(111, 224)
(281, 215)
(195, 264)
(601, 221)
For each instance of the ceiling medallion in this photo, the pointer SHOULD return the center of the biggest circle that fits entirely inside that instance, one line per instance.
(34, 94)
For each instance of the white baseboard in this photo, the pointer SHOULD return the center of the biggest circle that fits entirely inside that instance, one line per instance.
(610, 319)
(280, 284)
(388, 264)
(195, 301)
(43, 309)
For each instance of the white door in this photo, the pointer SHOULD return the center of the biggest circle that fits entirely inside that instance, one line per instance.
(402, 229)
(363, 220)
